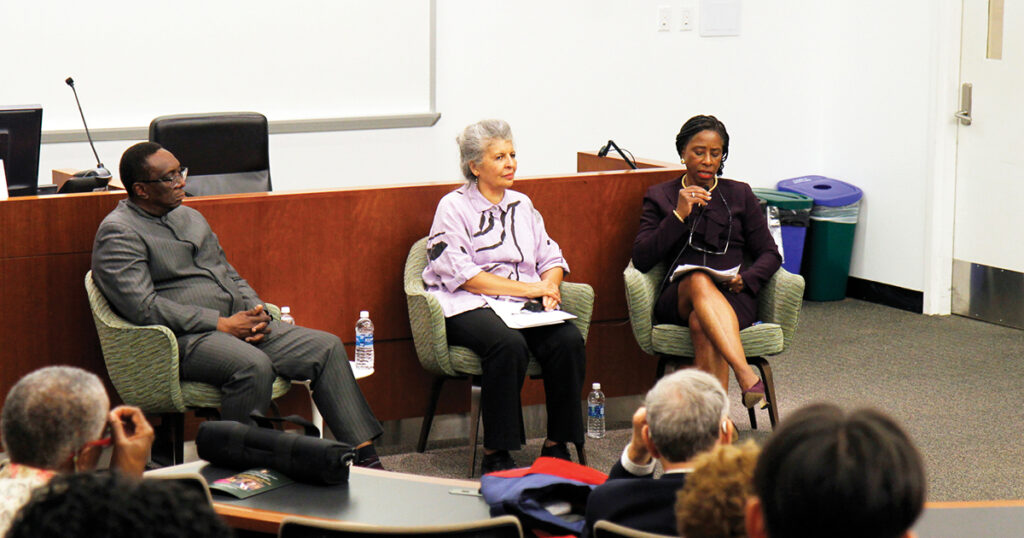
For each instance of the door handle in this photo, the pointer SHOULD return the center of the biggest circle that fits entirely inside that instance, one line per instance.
(964, 115)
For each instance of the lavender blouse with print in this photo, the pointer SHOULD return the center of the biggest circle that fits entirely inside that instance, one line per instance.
(470, 235)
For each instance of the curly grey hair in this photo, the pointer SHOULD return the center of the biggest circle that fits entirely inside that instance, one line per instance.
(51, 413)
(684, 413)
(475, 138)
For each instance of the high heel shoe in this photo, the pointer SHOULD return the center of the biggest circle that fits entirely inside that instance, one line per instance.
(753, 395)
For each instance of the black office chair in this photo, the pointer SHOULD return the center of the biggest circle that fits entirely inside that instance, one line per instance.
(499, 527)
(226, 153)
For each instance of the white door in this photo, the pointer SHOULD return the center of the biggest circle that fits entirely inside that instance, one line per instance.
(988, 238)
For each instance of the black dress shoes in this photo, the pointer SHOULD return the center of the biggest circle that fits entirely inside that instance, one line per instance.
(497, 461)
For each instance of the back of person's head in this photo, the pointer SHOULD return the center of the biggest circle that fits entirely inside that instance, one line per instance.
(827, 472)
(713, 501)
(133, 164)
(109, 505)
(51, 413)
(685, 410)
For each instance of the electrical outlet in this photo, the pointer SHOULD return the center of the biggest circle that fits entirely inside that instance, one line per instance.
(664, 18)
(686, 19)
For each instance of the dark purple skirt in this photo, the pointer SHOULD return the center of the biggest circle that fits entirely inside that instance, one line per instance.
(744, 303)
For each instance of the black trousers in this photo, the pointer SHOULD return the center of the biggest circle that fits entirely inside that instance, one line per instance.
(505, 355)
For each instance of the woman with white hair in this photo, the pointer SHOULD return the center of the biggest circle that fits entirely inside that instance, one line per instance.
(58, 420)
(488, 240)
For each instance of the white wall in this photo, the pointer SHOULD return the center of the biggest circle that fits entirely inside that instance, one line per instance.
(832, 88)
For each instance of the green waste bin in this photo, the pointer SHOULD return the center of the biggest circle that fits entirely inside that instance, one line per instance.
(826, 264)
(792, 213)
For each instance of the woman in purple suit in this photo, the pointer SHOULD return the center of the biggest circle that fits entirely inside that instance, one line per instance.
(706, 220)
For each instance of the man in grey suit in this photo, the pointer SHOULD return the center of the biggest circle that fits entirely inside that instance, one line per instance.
(158, 262)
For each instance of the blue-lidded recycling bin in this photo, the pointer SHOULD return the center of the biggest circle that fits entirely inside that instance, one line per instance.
(826, 264)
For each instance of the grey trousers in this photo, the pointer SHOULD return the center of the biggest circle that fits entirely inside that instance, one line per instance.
(245, 374)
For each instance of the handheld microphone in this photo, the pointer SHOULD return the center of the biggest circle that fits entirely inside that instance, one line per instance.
(100, 175)
(603, 152)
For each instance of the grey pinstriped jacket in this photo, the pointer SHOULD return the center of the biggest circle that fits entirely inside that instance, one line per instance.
(167, 270)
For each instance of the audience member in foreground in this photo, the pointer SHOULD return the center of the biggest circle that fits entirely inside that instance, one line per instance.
(109, 505)
(828, 472)
(488, 240)
(158, 262)
(57, 420)
(713, 502)
(683, 415)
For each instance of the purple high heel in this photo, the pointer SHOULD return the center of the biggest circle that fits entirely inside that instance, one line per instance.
(754, 395)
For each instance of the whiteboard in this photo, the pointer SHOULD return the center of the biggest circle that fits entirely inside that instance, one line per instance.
(135, 60)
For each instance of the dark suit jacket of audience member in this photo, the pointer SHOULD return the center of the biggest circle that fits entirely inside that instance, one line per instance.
(641, 503)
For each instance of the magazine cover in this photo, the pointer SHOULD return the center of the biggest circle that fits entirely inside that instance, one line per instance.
(248, 483)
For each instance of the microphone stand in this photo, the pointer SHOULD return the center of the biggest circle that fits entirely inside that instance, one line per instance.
(100, 173)
(603, 152)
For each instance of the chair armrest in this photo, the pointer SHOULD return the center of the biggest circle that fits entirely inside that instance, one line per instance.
(142, 361)
(779, 301)
(578, 299)
(273, 310)
(641, 294)
(426, 319)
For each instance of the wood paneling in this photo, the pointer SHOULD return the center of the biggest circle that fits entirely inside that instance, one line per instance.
(327, 254)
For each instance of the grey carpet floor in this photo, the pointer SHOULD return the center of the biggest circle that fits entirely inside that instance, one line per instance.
(954, 384)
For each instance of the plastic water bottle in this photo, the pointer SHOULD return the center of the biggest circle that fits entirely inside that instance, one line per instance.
(595, 413)
(364, 341)
(286, 315)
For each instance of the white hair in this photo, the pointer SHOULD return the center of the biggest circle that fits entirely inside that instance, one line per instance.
(51, 413)
(685, 410)
(475, 138)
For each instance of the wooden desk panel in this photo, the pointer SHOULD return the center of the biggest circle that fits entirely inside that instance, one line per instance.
(327, 254)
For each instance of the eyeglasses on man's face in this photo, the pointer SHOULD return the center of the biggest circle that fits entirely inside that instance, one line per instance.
(175, 178)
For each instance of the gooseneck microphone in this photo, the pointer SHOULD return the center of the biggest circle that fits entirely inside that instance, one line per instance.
(100, 173)
(603, 152)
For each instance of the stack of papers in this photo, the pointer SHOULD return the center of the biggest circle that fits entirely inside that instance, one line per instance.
(718, 275)
(515, 317)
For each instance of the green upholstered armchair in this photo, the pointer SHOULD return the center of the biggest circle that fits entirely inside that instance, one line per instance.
(142, 362)
(447, 362)
(778, 309)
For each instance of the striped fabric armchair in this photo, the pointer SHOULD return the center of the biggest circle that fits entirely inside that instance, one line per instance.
(778, 309)
(448, 362)
(142, 362)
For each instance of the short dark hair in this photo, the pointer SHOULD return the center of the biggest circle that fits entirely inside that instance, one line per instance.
(133, 164)
(697, 124)
(108, 504)
(827, 472)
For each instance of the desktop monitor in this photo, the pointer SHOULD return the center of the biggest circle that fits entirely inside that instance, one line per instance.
(20, 128)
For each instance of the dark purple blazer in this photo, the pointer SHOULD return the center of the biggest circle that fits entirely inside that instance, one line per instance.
(662, 236)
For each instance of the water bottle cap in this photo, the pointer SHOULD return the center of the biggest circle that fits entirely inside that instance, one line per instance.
(597, 386)
(286, 310)
(364, 313)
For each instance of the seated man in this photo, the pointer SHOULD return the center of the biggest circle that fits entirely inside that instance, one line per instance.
(57, 420)
(683, 415)
(827, 472)
(158, 262)
(108, 505)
